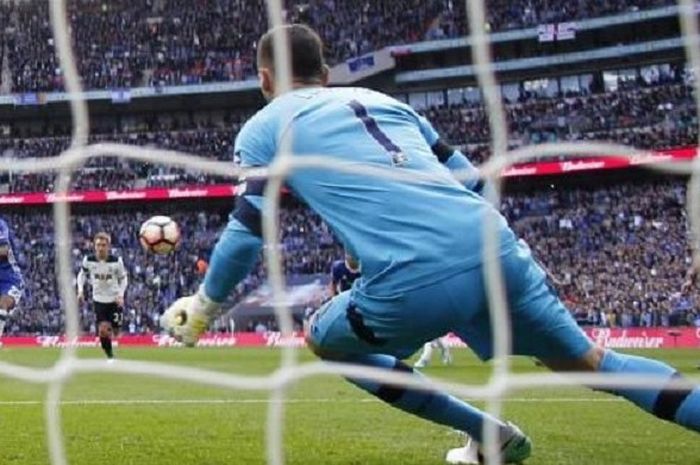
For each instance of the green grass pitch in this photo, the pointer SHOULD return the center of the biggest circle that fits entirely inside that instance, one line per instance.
(328, 421)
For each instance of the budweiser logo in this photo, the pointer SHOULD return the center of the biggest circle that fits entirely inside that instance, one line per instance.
(177, 193)
(51, 198)
(217, 341)
(520, 171)
(111, 195)
(582, 165)
(163, 340)
(11, 199)
(640, 160)
(275, 339)
(604, 338)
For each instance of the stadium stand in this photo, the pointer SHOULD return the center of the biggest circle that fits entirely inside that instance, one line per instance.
(620, 252)
(136, 43)
(657, 116)
(603, 240)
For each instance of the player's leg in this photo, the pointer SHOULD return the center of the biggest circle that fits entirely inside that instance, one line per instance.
(543, 327)
(338, 332)
(104, 318)
(104, 330)
(445, 353)
(116, 318)
(10, 294)
(425, 356)
(671, 402)
(7, 303)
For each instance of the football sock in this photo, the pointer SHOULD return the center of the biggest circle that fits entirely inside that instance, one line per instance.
(106, 344)
(678, 404)
(444, 350)
(426, 354)
(435, 406)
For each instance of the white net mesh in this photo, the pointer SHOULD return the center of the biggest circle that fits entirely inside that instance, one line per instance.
(502, 381)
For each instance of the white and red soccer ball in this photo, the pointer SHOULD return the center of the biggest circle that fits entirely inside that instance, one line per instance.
(160, 235)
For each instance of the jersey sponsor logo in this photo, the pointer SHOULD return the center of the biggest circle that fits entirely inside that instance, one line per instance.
(103, 276)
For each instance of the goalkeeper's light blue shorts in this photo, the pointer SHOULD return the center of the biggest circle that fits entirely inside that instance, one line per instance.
(353, 323)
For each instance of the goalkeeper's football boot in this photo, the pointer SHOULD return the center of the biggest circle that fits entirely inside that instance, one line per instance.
(467, 455)
(515, 448)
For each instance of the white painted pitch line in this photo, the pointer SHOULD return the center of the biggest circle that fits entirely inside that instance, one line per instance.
(87, 402)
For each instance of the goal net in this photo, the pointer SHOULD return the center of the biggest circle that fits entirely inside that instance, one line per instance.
(502, 381)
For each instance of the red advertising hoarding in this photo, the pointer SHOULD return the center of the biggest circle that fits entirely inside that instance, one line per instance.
(218, 191)
(615, 338)
(190, 192)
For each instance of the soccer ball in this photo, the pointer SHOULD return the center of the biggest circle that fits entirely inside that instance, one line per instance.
(160, 235)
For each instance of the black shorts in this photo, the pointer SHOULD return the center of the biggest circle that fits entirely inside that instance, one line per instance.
(111, 313)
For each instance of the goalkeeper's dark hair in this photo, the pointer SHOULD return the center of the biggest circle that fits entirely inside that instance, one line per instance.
(305, 47)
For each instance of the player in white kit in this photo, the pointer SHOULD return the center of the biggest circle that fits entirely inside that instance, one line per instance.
(108, 280)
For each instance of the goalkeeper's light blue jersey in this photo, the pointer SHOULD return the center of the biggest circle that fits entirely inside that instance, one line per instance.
(405, 234)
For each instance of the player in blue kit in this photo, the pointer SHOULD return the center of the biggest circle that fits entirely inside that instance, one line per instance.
(344, 273)
(11, 282)
(420, 246)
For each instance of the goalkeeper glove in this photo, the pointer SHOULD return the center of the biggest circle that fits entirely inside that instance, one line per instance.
(189, 317)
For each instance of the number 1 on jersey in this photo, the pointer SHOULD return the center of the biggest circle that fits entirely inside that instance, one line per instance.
(397, 156)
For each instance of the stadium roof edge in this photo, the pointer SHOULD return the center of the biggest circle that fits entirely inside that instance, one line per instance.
(530, 33)
(126, 95)
(542, 62)
(382, 60)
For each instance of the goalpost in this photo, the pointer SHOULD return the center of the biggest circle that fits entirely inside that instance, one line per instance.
(502, 381)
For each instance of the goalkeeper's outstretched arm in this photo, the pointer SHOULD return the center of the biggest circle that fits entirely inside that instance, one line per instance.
(234, 256)
(238, 247)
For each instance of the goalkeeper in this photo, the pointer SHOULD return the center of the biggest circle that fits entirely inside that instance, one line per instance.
(420, 247)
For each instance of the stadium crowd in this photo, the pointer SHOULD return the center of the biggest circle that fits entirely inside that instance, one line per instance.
(517, 14)
(618, 255)
(115, 174)
(655, 115)
(131, 43)
(154, 281)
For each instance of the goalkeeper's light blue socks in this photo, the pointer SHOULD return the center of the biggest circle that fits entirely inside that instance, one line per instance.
(435, 406)
(679, 405)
